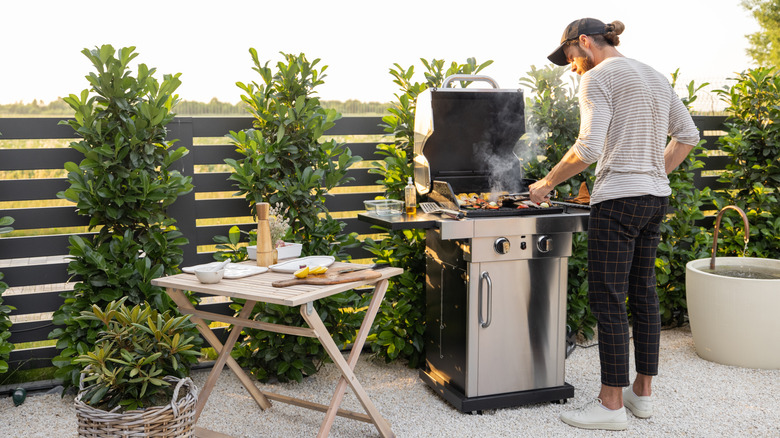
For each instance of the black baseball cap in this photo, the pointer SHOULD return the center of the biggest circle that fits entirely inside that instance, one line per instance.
(583, 26)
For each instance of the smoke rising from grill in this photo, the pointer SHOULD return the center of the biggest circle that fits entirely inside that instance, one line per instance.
(502, 160)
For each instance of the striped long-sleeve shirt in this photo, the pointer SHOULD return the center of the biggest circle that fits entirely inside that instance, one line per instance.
(627, 110)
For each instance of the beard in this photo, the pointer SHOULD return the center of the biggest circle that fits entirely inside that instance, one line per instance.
(587, 63)
(585, 60)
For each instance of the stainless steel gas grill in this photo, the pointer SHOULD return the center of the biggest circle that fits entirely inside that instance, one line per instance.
(495, 278)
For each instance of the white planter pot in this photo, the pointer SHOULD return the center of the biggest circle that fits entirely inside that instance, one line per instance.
(734, 320)
(289, 251)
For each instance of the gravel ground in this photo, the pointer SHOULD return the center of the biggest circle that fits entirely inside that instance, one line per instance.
(694, 398)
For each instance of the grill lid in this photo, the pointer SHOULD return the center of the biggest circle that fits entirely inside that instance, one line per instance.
(466, 137)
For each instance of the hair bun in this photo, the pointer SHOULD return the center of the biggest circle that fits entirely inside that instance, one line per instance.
(616, 26)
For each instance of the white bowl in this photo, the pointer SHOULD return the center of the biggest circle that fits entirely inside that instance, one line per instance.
(209, 277)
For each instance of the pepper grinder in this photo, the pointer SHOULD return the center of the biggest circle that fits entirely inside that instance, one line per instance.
(265, 248)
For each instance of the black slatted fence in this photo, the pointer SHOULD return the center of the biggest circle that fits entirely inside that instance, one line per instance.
(35, 266)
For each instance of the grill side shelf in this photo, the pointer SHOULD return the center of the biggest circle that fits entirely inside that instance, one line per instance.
(419, 221)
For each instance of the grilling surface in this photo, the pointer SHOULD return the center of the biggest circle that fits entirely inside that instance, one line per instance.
(475, 205)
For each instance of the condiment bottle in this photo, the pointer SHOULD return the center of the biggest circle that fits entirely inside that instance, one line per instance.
(410, 197)
(265, 248)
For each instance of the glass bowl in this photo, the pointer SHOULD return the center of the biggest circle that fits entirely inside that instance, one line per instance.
(384, 207)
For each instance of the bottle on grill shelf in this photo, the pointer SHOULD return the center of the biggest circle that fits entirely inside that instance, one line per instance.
(410, 197)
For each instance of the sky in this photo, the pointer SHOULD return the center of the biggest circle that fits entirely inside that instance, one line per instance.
(208, 41)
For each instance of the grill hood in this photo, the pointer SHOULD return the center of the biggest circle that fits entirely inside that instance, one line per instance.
(467, 137)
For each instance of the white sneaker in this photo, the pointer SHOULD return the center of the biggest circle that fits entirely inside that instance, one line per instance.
(640, 406)
(595, 416)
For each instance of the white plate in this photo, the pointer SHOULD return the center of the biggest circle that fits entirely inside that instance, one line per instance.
(293, 265)
(232, 270)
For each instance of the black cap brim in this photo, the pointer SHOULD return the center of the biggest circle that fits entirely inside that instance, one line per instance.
(558, 57)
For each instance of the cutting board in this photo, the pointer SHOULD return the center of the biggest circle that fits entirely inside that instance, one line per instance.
(330, 277)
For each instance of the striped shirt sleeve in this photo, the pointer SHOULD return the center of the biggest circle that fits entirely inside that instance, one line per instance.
(681, 126)
(595, 116)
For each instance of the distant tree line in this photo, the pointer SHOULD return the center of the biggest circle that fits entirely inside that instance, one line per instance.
(187, 108)
(357, 107)
(36, 108)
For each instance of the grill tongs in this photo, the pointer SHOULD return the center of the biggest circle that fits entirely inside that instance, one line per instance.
(452, 213)
(434, 208)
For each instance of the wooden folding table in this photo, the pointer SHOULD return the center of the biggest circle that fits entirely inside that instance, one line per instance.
(258, 288)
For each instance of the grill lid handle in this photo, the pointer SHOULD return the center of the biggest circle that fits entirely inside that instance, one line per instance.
(470, 78)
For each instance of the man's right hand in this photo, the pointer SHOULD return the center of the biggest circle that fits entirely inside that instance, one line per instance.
(538, 192)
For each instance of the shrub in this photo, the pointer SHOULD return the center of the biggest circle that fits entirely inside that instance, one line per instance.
(5, 310)
(286, 164)
(124, 184)
(753, 174)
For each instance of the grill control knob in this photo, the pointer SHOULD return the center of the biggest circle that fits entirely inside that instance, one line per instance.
(545, 244)
(501, 245)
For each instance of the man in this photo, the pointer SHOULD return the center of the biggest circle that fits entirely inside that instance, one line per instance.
(627, 110)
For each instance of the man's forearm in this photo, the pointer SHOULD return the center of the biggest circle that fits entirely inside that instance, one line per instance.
(569, 166)
(674, 154)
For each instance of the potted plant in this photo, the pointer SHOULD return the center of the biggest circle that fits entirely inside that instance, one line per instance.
(125, 180)
(135, 379)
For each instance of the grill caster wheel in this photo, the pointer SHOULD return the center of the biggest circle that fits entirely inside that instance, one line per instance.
(474, 412)
(562, 401)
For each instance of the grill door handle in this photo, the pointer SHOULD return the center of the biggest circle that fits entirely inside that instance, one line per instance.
(485, 277)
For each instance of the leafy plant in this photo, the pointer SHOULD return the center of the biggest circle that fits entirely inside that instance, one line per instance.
(682, 237)
(285, 161)
(5, 310)
(137, 347)
(230, 247)
(288, 165)
(400, 323)
(753, 174)
(125, 183)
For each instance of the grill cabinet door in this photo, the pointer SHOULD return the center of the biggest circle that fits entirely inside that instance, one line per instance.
(445, 330)
(523, 346)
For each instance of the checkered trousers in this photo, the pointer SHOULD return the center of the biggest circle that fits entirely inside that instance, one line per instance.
(623, 236)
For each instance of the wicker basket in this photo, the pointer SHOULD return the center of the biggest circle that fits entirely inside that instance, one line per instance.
(173, 420)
